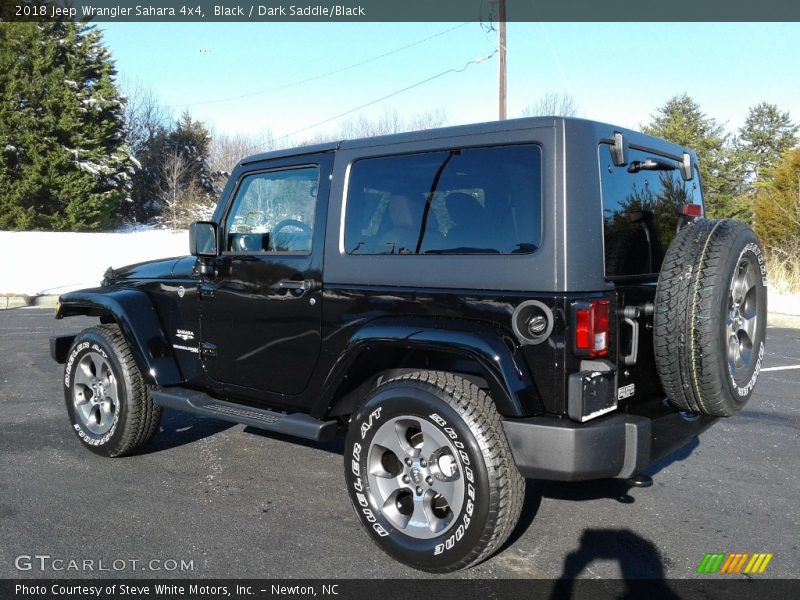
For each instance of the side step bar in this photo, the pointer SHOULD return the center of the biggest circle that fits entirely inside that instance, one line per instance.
(199, 403)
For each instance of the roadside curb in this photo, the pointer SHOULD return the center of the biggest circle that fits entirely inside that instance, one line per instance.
(8, 301)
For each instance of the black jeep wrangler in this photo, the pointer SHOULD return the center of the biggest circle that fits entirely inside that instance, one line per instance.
(535, 298)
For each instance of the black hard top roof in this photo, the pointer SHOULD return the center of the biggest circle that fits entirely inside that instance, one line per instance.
(449, 132)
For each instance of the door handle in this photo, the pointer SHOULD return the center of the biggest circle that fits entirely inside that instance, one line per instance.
(631, 358)
(297, 288)
(631, 314)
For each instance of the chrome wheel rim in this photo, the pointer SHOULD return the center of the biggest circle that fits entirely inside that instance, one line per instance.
(94, 393)
(415, 477)
(741, 320)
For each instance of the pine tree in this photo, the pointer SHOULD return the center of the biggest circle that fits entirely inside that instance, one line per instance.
(187, 189)
(766, 134)
(146, 179)
(681, 121)
(191, 140)
(65, 164)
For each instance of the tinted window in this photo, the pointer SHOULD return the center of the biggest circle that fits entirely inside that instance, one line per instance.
(641, 205)
(273, 212)
(472, 201)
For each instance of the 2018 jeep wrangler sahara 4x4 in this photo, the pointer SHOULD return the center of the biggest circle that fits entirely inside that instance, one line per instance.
(476, 305)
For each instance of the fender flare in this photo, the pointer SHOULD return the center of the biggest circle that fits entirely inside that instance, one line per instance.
(134, 313)
(512, 387)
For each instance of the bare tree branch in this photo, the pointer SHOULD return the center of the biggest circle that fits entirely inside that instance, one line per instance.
(552, 104)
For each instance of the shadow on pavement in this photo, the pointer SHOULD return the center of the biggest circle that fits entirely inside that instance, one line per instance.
(678, 455)
(791, 421)
(180, 428)
(639, 560)
(530, 506)
(615, 489)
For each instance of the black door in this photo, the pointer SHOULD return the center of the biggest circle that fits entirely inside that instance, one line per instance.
(261, 311)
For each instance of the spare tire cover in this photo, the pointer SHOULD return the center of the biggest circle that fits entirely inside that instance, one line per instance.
(710, 317)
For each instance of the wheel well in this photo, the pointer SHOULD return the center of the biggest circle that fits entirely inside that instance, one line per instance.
(377, 365)
(108, 317)
(102, 313)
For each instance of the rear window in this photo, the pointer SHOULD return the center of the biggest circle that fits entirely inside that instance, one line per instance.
(641, 207)
(470, 201)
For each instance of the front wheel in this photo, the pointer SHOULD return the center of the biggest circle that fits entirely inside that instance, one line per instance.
(108, 402)
(430, 473)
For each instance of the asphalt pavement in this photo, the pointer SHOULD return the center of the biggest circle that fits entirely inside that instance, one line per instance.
(230, 501)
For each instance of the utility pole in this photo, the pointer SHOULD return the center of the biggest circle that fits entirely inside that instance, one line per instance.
(502, 51)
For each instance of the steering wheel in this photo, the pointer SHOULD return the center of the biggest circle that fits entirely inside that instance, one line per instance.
(291, 223)
(290, 241)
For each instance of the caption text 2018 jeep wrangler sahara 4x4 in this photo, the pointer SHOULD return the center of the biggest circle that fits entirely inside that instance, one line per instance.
(476, 305)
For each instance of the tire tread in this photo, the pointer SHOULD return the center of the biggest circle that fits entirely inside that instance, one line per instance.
(507, 491)
(686, 332)
(143, 416)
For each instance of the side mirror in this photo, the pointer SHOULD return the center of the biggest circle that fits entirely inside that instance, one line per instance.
(203, 239)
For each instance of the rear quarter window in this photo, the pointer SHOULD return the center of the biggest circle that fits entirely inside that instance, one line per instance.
(461, 201)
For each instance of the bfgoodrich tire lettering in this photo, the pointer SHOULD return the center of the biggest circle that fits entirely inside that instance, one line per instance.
(449, 443)
(710, 317)
(108, 403)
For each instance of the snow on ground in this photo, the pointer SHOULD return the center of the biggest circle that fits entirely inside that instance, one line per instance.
(41, 262)
(783, 304)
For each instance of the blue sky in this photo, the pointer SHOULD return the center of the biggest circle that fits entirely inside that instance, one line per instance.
(618, 73)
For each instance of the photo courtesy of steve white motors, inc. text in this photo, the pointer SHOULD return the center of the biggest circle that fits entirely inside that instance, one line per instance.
(170, 589)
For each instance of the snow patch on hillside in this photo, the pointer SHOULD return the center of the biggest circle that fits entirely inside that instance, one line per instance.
(43, 262)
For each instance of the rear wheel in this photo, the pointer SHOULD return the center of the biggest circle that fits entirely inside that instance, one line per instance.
(108, 402)
(710, 317)
(430, 473)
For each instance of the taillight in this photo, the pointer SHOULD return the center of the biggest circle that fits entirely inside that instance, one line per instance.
(692, 210)
(591, 328)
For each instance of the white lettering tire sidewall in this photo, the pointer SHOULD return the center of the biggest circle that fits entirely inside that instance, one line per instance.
(742, 390)
(81, 346)
(460, 537)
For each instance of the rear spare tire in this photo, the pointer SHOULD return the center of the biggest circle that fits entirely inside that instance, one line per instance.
(710, 317)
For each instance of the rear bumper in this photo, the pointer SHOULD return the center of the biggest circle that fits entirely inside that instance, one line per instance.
(616, 446)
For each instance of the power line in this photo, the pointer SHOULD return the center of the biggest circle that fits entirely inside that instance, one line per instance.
(387, 96)
(323, 75)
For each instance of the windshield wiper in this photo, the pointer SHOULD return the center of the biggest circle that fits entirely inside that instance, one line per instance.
(651, 164)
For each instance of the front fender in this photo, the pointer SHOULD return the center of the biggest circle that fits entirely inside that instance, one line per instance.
(511, 386)
(136, 316)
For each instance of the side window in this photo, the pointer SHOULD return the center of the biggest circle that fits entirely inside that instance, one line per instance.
(467, 201)
(273, 211)
(642, 201)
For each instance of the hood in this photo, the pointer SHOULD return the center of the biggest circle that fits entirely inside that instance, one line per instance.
(164, 268)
